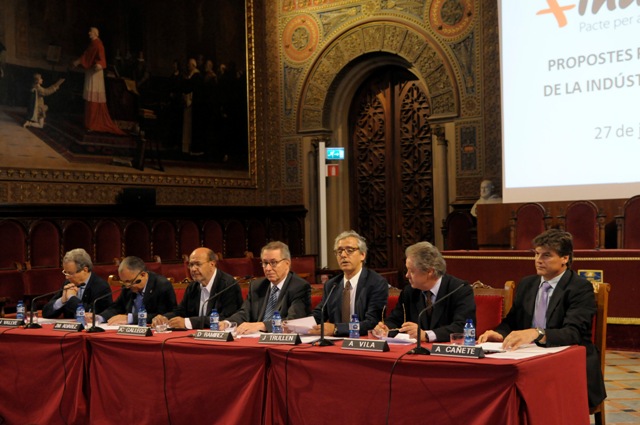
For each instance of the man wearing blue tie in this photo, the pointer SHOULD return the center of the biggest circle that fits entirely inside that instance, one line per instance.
(553, 308)
(141, 288)
(80, 287)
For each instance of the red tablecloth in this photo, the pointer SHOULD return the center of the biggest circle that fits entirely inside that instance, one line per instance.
(207, 382)
(41, 376)
(330, 385)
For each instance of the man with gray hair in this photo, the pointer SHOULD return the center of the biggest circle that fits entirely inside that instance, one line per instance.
(142, 288)
(429, 282)
(80, 287)
(358, 290)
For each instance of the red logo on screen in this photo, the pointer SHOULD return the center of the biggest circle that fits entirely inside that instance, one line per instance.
(557, 11)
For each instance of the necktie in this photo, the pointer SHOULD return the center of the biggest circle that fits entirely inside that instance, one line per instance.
(539, 315)
(346, 302)
(429, 306)
(137, 303)
(271, 304)
(81, 290)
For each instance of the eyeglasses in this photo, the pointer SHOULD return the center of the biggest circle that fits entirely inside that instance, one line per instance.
(129, 283)
(349, 250)
(196, 264)
(404, 313)
(66, 273)
(272, 263)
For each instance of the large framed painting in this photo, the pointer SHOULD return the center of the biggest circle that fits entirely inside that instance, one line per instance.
(177, 102)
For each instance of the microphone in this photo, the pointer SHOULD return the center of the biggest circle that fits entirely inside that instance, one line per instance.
(32, 325)
(235, 282)
(94, 328)
(322, 342)
(423, 350)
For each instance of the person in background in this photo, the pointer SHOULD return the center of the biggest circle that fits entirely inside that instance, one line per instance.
(141, 288)
(37, 110)
(552, 308)
(81, 287)
(429, 282)
(194, 310)
(359, 290)
(281, 290)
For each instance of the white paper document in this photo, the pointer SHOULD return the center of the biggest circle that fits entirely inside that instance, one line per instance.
(300, 326)
(523, 352)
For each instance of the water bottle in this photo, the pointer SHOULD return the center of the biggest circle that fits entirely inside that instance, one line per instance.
(80, 315)
(277, 323)
(354, 327)
(214, 320)
(20, 310)
(469, 334)
(142, 316)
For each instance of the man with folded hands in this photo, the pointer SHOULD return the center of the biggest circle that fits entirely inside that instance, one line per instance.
(426, 272)
(200, 298)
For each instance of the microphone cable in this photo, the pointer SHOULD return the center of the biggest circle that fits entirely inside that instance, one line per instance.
(286, 380)
(164, 373)
(64, 385)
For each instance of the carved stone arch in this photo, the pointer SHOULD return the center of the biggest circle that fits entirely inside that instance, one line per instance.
(410, 44)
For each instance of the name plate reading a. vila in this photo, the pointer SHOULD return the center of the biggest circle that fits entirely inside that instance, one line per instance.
(213, 335)
(68, 327)
(284, 339)
(134, 330)
(11, 323)
(365, 344)
(457, 351)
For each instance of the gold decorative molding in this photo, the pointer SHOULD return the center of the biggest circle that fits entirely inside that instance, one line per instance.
(623, 320)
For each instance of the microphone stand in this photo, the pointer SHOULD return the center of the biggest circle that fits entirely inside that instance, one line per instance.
(322, 342)
(32, 325)
(94, 328)
(423, 350)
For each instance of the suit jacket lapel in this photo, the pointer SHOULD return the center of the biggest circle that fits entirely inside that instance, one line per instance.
(558, 293)
(282, 294)
(360, 305)
(262, 292)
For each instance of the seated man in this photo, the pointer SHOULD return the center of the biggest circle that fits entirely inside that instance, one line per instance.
(358, 290)
(281, 290)
(555, 307)
(81, 287)
(141, 288)
(194, 310)
(426, 272)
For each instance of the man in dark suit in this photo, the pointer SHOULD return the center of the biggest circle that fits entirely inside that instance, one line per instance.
(553, 308)
(426, 272)
(194, 310)
(81, 287)
(358, 290)
(141, 288)
(290, 293)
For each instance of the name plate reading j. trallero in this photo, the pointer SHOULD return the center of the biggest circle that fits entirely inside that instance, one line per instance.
(68, 327)
(284, 339)
(134, 330)
(213, 335)
(457, 351)
(365, 344)
(11, 323)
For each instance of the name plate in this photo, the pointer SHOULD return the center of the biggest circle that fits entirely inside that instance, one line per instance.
(11, 323)
(284, 339)
(457, 351)
(134, 330)
(68, 327)
(365, 344)
(214, 335)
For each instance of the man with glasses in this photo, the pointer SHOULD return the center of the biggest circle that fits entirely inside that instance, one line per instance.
(194, 310)
(80, 287)
(140, 288)
(358, 290)
(429, 282)
(281, 290)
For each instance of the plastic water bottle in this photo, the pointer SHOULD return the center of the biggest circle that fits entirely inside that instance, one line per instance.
(214, 320)
(20, 310)
(277, 323)
(142, 316)
(354, 327)
(469, 333)
(80, 315)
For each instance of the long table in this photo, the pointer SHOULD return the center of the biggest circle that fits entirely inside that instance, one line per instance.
(243, 382)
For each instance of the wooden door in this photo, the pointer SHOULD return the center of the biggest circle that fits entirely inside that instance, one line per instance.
(391, 165)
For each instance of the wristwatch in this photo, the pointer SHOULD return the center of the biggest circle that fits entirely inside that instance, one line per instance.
(541, 334)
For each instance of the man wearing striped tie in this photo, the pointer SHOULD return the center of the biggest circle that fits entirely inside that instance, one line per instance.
(281, 290)
(553, 308)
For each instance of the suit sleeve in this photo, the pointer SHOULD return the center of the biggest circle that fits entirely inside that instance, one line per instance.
(48, 311)
(579, 306)
(461, 306)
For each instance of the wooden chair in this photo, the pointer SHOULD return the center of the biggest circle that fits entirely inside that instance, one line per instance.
(585, 223)
(527, 222)
(492, 304)
(628, 232)
(459, 231)
(599, 336)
